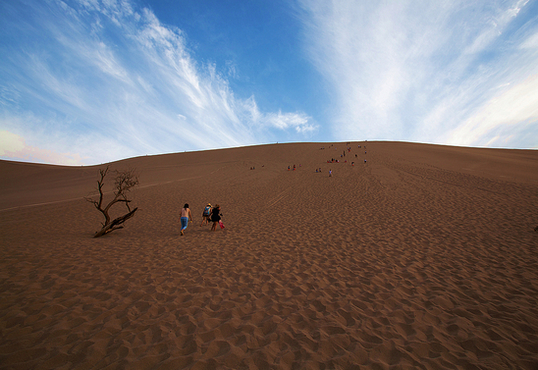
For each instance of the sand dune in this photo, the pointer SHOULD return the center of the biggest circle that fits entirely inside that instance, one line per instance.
(422, 257)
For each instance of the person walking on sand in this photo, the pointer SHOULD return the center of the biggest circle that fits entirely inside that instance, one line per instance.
(330, 173)
(205, 214)
(185, 217)
(215, 216)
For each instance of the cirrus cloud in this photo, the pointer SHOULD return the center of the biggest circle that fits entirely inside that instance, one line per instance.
(110, 70)
(427, 71)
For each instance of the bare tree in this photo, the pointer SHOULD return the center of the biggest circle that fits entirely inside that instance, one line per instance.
(124, 182)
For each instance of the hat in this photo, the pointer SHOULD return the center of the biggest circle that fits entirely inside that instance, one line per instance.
(209, 204)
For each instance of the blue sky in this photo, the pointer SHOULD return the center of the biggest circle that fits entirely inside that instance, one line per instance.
(90, 81)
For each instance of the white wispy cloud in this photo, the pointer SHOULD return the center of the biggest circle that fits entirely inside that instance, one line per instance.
(531, 42)
(112, 78)
(425, 71)
(14, 147)
(516, 106)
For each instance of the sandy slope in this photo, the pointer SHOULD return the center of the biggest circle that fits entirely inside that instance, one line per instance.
(422, 257)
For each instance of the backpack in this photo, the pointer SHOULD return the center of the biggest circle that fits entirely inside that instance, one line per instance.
(207, 210)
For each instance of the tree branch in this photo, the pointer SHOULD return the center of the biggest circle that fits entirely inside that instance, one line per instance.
(124, 182)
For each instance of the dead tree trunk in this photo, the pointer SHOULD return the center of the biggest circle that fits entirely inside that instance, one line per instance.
(115, 225)
(124, 181)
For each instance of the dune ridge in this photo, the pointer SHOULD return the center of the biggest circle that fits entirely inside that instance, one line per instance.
(423, 256)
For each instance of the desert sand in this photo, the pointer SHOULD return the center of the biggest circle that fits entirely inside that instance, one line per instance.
(422, 257)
